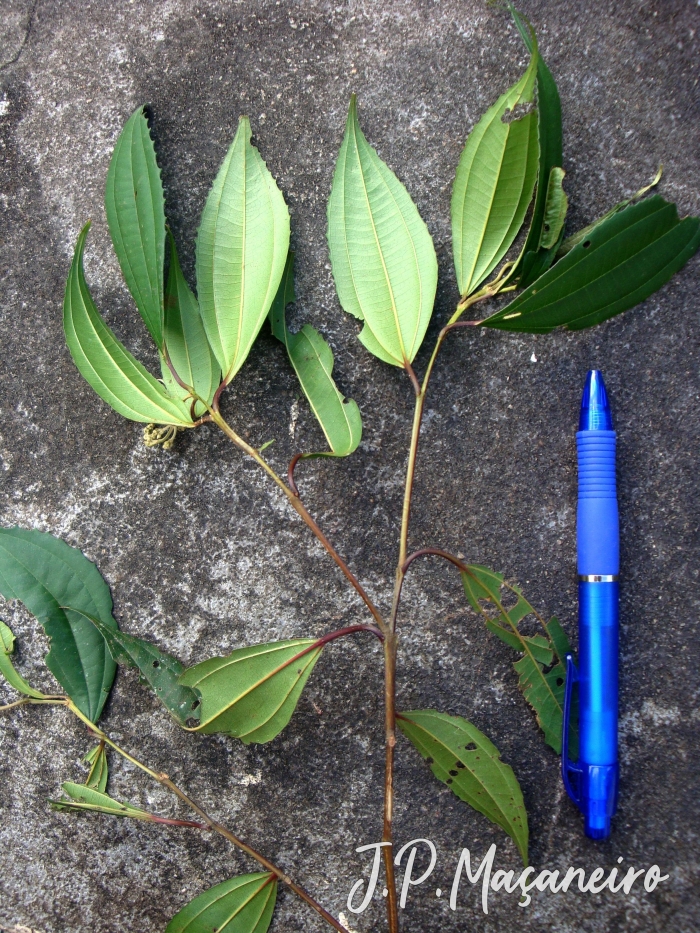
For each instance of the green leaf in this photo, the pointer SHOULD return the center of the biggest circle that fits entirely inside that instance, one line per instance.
(580, 235)
(185, 341)
(555, 210)
(158, 669)
(621, 262)
(83, 797)
(383, 258)
(251, 694)
(536, 257)
(242, 905)
(542, 669)
(105, 363)
(462, 757)
(135, 208)
(494, 182)
(312, 359)
(7, 646)
(59, 585)
(99, 770)
(242, 248)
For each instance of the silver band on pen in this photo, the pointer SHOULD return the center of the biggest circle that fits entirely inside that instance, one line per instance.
(598, 578)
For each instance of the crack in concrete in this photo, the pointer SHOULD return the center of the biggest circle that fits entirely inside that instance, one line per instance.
(23, 44)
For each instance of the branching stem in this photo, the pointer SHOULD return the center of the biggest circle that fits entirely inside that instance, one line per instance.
(391, 641)
(207, 821)
(296, 503)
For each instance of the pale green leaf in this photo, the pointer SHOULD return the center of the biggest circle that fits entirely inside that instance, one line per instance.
(135, 208)
(312, 359)
(158, 669)
(82, 797)
(252, 693)
(99, 770)
(462, 757)
(243, 904)
(7, 646)
(382, 255)
(58, 585)
(242, 248)
(105, 363)
(622, 261)
(555, 209)
(185, 341)
(494, 182)
(540, 680)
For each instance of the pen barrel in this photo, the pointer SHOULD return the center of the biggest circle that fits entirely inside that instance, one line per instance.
(598, 556)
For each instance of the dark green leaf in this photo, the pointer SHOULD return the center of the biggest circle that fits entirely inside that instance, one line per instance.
(185, 341)
(494, 182)
(383, 258)
(463, 758)
(46, 575)
(105, 363)
(541, 670)
(158, 669)
(623, 260)
(536, 257)
(312, 359)
(242, 248)
(251, 694)
(99, 770)
(7, 646)
(135, 208)
(242, 905)
(83, 797)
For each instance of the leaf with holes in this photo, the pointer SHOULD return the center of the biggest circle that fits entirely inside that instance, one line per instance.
(312, 359)
(58, 585)
(185, 342)
(14, 679)
(495, 179)
(82, 797)
(135, 207)
(158, 669)
(547, 222)
(623, 261)
(99, 770)
(242, 249)
(580, 235)
(383, 258)
(242, 905)
(542, 669)
(105, 363)
(252, 693)
(462, 757)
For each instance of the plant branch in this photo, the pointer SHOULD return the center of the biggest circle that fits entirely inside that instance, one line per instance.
(26, 701)
(391, 641)
(390, 646)
(296, 503)
(207, 821)
(435, 552)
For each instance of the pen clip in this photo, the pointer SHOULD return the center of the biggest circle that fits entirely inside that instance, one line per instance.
(570, 771)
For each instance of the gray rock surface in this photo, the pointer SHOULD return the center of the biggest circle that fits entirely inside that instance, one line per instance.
(203, 555)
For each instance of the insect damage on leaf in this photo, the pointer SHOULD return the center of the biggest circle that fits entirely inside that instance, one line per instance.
(542, 668)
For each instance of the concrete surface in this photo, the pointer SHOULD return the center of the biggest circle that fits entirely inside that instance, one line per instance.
(201, 553)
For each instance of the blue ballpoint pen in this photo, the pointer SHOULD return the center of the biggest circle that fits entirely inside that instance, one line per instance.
(591, 782)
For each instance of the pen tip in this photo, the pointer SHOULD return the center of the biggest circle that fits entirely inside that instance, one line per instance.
(595, 408)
